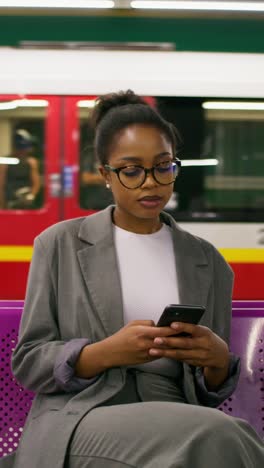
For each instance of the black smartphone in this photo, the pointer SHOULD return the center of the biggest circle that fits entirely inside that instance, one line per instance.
(181, 313)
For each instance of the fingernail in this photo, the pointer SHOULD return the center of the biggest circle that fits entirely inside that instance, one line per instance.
(153, 352)
(175, 325)
(158, 341)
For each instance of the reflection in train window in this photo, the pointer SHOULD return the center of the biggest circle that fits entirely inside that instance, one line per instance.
(222, 153)
(22, 153)
(93, 192)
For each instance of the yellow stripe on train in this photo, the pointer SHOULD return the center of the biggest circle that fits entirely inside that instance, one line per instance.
(23, 253)
(243, 255)
(15, 253)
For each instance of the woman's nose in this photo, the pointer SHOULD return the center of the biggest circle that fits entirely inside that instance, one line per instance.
(150, 181)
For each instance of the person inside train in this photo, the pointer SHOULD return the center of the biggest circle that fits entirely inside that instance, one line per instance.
(93, 192)
(20, 183)
(113, 389)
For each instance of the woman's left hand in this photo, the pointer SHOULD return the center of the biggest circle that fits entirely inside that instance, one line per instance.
(203, 348)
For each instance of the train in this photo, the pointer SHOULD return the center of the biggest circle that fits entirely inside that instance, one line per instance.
(215, 99)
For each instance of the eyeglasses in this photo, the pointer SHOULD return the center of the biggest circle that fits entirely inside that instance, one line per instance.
(133, 177)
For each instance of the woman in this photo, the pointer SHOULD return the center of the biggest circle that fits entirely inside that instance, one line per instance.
(114, 390)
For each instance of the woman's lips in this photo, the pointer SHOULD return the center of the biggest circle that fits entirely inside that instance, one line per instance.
(150, 202)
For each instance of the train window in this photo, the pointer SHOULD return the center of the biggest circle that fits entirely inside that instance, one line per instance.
(93, 192)
(222, 153)
(21, 153)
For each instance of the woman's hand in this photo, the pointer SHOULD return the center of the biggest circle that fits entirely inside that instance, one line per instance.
(202, 348)
(132, 343)
(129, 346)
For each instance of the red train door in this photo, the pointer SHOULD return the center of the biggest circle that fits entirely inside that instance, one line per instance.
(84, 188)
(29, 161)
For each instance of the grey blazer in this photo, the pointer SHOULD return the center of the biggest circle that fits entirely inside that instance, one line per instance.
(74, 292)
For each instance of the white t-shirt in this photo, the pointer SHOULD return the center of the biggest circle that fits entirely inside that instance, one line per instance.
(148, 276)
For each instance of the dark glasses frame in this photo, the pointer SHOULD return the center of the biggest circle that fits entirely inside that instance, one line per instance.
(116, 170)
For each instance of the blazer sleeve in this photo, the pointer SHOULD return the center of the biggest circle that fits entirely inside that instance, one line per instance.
(64, 368)
(222, 289)
(41, 361)
(224, 391)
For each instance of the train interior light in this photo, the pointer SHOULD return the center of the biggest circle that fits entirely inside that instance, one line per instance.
(233, 105)
(14, 104)
(12, 161)
(90, 103)
(199, 5)
(199, 162)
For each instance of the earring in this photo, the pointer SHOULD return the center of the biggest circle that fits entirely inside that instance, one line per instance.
(107, 185)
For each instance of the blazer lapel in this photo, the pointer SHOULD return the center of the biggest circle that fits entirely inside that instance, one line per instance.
(99, 267)
(193, 273)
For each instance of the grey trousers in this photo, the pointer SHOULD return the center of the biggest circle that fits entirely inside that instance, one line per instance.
(129, 432)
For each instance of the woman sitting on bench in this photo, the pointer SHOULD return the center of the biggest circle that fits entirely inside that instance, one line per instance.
(113, 389)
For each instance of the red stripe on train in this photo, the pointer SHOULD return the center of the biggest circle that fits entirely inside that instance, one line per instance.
(249, 280)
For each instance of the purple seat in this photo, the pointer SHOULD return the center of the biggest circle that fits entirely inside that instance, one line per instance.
(11, 304)
(15, 401)
(247, 341)
(247, 401)
(247, 304)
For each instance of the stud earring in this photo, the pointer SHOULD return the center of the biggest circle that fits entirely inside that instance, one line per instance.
(107, 185)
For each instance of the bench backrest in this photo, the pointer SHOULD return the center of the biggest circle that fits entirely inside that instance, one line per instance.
(247, 341)
(15, 401)
(247, 402)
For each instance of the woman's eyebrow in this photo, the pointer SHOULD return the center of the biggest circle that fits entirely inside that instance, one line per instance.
(164, 153)
(139, 159)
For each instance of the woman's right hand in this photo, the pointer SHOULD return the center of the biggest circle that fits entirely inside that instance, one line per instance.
(131, 344)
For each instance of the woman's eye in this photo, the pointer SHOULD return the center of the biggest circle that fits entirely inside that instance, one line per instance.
(164, 167)
(131, 171)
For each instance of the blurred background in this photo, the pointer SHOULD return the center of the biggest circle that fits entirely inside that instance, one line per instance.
(200, 63)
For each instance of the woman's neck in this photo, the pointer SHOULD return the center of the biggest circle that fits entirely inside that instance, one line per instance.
(136, 225)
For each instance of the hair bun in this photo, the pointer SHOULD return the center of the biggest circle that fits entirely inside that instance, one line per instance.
(109, 101)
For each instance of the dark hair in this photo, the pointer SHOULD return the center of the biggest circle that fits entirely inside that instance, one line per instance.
(23, 139)
(116, 111)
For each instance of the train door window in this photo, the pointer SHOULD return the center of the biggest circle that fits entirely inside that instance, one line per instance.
(222, 153)
(22, 123)
(93, 193)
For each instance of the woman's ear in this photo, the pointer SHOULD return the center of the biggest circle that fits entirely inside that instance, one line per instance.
(105, 174)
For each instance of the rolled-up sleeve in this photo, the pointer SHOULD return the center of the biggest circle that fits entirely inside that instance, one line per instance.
(64, 368)
(216, 397)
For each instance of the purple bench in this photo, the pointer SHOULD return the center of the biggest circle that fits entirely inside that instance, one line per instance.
(247, 402)
(247, 341)
(15, 401)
